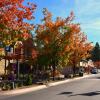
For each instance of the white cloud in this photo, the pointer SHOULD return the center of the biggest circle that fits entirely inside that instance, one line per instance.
(88, 15)
(87, 7)
(93, 25)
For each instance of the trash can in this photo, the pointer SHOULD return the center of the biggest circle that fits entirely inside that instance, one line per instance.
(81, 72)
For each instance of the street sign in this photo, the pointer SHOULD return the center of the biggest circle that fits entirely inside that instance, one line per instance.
(8, 48)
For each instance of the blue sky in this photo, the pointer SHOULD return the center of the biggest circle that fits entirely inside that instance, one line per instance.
(87, 13)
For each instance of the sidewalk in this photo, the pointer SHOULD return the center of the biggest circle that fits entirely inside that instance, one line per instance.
(39, 87)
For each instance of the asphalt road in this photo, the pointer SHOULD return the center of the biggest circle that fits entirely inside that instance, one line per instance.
(83, 89)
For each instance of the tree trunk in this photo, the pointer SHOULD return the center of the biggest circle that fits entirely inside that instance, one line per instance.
(54, 68)
(74, 69)
(5, 61)
(17, 69)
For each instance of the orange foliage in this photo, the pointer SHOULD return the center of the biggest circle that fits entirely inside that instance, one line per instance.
(12, 14)
(67, 36)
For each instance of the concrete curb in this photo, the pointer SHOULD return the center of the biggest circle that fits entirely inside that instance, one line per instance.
(24, 90)
(69, 80)
(35, 88)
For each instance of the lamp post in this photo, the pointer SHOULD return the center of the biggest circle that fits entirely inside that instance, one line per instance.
(19, 52)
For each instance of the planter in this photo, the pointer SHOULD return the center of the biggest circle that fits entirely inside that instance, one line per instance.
(80, 74)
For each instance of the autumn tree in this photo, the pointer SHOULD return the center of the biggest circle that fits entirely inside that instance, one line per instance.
(79, 46)
(60, 42)
(13, 26)
(52, 39)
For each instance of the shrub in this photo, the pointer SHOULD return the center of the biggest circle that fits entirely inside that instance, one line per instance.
(6, 86)
(29, 80)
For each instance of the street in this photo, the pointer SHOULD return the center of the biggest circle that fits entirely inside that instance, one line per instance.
(87, 88)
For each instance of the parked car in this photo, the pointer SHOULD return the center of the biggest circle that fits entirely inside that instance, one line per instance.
(94, 70)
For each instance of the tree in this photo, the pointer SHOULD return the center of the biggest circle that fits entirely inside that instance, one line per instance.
(13, 26)
(96, 54)
(61, 42)
(79, 46)
(52, 39)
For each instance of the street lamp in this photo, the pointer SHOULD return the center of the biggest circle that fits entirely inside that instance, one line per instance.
(18, 53)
